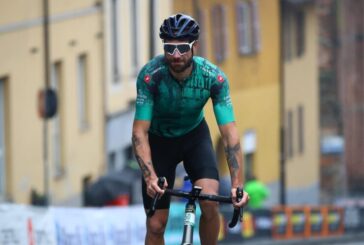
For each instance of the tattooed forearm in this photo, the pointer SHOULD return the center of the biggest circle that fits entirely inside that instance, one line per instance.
(231, 156)
(136, 141)
(143, 167)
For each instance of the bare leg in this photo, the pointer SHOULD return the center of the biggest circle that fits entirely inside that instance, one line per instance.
(209, 221)
(156, 226)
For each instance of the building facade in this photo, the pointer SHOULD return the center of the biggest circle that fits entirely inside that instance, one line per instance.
(333, 171)
(300, 101)
(71, 144)
(341, 48)
(131, 39)
(242, 38)
(351, 83)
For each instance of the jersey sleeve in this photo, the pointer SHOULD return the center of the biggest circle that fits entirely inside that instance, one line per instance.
(221, 100)
(144, 99)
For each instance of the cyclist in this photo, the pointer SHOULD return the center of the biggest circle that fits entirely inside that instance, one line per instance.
(169, 126)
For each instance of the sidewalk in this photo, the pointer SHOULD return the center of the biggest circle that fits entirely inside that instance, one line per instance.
(342, 239)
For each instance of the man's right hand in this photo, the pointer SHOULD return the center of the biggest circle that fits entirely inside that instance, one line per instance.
(153, 188)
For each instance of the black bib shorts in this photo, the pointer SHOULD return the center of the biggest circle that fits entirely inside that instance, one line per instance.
(194, 149)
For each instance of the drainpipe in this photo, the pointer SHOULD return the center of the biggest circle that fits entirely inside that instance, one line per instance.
(151, 28)
(46, 87)
(104, 86)
(282, 160)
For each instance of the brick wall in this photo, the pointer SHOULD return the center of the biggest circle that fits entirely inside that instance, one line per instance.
(350, 73)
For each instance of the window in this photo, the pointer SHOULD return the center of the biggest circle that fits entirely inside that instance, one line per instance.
(248, 165)
(2, 141)
(248, 27)
(219, 32)
(249, 143)
(300, 32)
(287, 33)
(130, 160)
(117, 159)
(301, 129)
(289, 134)
(56, 83)
(293, 32)
(83, 99)
(112, 161)
(115, 40)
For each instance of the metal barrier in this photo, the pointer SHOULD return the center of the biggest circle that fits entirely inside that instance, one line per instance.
(286, 222)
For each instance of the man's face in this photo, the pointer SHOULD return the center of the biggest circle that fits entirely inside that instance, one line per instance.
(178, 54)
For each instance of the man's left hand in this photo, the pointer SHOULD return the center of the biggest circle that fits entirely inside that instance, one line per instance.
(244, 201)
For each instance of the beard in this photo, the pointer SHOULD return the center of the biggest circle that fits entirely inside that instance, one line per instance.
(181, 66)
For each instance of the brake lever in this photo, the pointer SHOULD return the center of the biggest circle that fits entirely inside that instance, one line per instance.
(151, 211)
(238, 212)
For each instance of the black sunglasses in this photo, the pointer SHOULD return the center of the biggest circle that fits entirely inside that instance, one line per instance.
(182, 48)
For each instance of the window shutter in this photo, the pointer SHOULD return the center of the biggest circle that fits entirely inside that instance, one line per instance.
(244, 24)
(219, 32)
(256, 26)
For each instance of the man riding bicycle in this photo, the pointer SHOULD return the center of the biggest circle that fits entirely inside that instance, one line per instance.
(169, 126)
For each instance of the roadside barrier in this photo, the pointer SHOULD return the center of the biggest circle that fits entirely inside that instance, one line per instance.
(288, 222)
(316, 222)
(307, 221)
(28, 225)
(24, 225)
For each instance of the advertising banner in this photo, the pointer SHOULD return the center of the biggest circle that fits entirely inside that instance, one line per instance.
(263, 222)
(316, 221)
(280, 223)
(41, 227)
(109, 226)
(29, 225)
(15, 226)
(71, 226)
(298, 221)
(335, 220)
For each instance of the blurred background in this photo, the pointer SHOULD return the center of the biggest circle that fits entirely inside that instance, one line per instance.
(67, 92)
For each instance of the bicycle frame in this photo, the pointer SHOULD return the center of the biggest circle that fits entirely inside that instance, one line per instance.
(190, 209)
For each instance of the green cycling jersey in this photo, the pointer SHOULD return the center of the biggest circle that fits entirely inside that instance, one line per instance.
(175, 108)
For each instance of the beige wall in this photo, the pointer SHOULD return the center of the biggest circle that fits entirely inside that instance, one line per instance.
(21, 48)
(254, 82)
(263, 117)
(83, 148)
(17, 11)
(301, 88)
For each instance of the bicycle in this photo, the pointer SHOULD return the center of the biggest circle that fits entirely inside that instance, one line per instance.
(190, 209)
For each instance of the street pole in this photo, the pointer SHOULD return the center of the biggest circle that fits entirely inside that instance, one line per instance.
(46, 86)
(282, 160)
(151, 28)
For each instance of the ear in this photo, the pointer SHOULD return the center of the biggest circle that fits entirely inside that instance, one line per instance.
(196, 45)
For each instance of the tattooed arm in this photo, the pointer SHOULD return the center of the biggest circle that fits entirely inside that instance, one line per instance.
(143, 155)
(234, 157)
